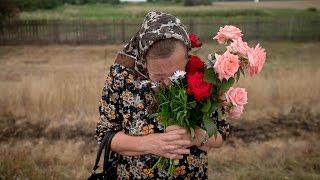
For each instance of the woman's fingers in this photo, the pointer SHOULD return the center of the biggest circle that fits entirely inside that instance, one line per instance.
(177, 153)
(180, 151)
(178, 131)
(173, 156)
(176, 135)
(173, 144)
(173, 127)
(170, 147)
(172, 137)
(181, 143)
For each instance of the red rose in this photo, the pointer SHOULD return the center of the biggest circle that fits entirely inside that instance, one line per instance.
(197, 87)
(195, 41)
(195, 64)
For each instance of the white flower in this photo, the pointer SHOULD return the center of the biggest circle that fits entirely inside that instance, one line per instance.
(211, 60)
(178, 74)
(154, 84)
(210, 57)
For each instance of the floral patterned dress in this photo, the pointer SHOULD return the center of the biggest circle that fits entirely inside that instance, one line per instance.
(124, 106)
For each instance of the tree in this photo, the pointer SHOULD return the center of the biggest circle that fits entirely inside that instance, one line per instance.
(197, 2)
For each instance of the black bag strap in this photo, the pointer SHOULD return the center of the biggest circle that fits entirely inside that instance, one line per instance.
(107, 151)
(105, 143)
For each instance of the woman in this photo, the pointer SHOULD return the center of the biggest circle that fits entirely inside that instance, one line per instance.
(157, 50)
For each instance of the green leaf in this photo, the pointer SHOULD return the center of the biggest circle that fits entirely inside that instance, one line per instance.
(210, 76)
(179, 116)
(209, 125)
(153, 115)
(193, 104)
(192, 133)
(206, 107)
(215, 130)
(225, 85)
(214, 106)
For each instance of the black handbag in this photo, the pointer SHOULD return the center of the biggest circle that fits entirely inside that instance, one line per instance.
(107, 173)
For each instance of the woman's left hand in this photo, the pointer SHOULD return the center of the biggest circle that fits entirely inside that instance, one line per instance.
(187, 136)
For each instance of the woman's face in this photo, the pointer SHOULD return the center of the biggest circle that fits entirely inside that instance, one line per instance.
(161, 69)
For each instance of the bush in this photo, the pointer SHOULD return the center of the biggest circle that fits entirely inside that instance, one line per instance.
(49, 4)
(197, 2)
(165, 1)
(91, 1)
(312, 9)
(8, 9)
(37, 4)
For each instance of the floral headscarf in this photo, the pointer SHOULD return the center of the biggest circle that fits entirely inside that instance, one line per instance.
(155, 26)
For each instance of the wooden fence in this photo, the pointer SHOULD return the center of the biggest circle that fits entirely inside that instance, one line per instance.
(109, 32)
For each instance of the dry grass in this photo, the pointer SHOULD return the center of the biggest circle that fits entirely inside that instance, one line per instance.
(63, 83)
(61, 86)
(52, 82)
(43, 159)
(73, 159)
(292, 158)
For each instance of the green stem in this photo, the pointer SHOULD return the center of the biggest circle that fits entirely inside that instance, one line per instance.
(156, 164)
(171, 168)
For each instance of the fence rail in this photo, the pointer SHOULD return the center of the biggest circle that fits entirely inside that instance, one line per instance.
(109, 32)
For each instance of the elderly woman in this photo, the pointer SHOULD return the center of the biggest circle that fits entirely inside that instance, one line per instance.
(152, 55)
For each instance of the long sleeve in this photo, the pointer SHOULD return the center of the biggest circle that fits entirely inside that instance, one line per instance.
(110, 104)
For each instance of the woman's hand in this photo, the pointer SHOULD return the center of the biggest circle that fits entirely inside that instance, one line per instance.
(213, 142)
(194, 142)
(172, 143)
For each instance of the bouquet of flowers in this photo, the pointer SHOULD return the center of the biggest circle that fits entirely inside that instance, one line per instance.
(206, 89)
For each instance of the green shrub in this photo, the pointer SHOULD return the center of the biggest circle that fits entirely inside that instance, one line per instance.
(312, 9)
(49, 4)
(36, 4)
(8, 9)
(197, 2)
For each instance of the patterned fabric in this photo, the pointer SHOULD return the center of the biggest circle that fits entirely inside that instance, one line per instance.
(155, 26)
(127, 103)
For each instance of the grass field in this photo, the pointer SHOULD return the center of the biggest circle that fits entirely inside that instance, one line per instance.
(218, 9)
(36, 80)
(49, 99)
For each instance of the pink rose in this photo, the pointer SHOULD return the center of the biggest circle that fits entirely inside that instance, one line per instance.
(236, 111)
(237, 96)
(226, 65)
(256, 57)
(239, 46)
(228, 32)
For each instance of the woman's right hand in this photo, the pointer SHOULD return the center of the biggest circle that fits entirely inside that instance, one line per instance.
(170, 144)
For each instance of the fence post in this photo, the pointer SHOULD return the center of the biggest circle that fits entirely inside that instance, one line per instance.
(36, 29)
(290, 28)
(191, 25)
(114, 30)
(56, 24)
(2, 32)
(82, 31)
(257, 27)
